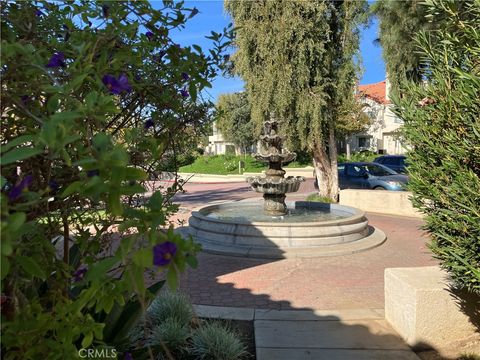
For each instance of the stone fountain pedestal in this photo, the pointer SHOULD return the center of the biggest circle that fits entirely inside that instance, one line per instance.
(274, 185)
(283, 229)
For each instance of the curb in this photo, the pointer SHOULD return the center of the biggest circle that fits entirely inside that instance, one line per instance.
(252, 314)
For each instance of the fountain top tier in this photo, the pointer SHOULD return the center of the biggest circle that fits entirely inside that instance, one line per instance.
(274, 185)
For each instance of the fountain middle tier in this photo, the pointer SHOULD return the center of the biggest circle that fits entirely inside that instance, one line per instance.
(283, 158)
(267, 185)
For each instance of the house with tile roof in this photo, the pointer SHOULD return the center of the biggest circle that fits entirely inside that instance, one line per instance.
(382, 136)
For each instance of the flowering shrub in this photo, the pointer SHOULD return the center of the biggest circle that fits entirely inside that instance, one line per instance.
(230, 165)
(95, 96)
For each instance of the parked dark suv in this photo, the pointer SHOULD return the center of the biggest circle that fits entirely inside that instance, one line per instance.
(394, 162)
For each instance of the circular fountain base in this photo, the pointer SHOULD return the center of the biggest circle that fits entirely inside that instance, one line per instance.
(311, 229)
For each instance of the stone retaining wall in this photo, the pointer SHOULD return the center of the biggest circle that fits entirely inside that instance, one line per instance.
(420, 306)
(380, 201)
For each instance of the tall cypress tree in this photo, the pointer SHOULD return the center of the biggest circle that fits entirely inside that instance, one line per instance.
(298, 61)
(400, 22)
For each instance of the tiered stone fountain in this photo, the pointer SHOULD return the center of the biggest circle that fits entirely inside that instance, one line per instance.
(274, 185)
(282, 229)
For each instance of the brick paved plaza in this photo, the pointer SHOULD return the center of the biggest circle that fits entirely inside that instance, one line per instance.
(342, 282)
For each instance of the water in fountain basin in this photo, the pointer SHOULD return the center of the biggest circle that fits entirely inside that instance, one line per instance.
(254, 213)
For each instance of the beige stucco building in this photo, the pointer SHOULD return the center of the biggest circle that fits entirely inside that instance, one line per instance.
(217, 145)
(382, 136)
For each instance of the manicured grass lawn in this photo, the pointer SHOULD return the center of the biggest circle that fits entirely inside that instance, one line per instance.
(228, 164)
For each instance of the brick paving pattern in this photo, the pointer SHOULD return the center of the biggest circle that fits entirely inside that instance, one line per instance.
(341, 282)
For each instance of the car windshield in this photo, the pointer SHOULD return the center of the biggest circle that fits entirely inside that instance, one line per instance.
(377, 170)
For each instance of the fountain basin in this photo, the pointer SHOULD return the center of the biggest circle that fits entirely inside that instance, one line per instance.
(273, 186)
(311, 229)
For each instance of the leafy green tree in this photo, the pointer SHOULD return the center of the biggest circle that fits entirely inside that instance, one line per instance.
(234, 121)
(94, 94)
(442, 128)
(400, 22)
(352, 119)
(297, 59)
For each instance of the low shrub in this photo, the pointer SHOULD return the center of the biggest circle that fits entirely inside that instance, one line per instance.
(318, 198)
(170, 305)
(169, 324)
(367, 156)
(172, 332)
(213, 341)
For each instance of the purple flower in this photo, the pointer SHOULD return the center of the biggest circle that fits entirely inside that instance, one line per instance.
(53, 185)
(149, 35)
(18, 189)
(148, 124)
(185, 76)
(38, 12)
(159, 56)
(25, 99)
(105, 9)
(92, 173)
(128, 356)
(79, 274)
(56, 60)
(163, 253)
(184, 92)
(117, 86)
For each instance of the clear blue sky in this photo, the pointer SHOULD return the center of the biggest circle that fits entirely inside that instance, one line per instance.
(213, 17)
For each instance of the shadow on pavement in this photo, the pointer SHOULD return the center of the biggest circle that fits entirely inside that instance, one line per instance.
(295, 332)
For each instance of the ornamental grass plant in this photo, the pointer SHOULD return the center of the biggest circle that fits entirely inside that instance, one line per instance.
(171, 325)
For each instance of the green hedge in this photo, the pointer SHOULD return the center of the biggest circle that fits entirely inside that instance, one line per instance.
(442, 127)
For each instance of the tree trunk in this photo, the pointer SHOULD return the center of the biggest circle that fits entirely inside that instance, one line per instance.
(332, 153)
(326, 170)
(347, 147)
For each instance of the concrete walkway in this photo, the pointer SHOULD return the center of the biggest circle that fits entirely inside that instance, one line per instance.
(355, 334)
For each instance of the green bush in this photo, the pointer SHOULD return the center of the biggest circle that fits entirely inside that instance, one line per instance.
(170, 305)
(169, 324)
(442, 128)
(172, 332)
(95, 95)
(212, 341)
(316, 197)
(367, 156)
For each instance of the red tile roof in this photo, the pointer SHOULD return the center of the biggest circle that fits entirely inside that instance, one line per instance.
(376, 92)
